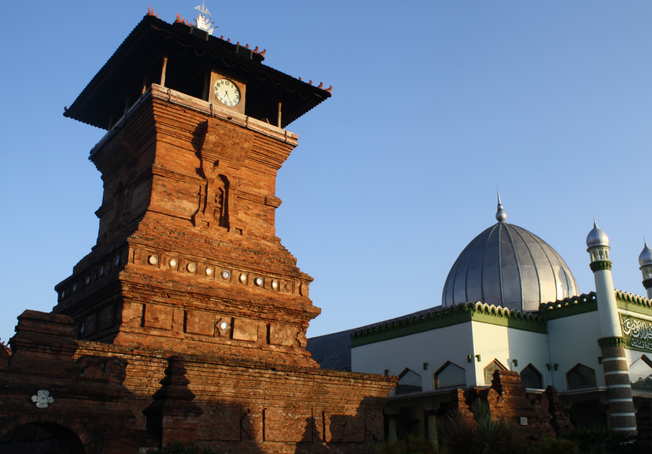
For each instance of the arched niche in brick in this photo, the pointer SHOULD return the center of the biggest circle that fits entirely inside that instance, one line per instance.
(408, 382)
(580, 376)
(450, 375)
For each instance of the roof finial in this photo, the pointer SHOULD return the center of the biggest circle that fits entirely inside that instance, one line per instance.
(500, 214)
(596, 237)
(645, 259)
(202, 22)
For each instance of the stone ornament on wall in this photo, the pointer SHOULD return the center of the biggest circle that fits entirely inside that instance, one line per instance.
(223, 326)
(42, 399)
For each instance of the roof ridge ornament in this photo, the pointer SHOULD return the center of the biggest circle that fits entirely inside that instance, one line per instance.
(500, 214)
(202, 22)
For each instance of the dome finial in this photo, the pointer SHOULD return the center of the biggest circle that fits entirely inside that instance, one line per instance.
(500, 214)
(645, 259)
(596, 237)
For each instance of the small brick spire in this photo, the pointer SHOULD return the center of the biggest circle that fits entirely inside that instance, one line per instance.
(174, 400)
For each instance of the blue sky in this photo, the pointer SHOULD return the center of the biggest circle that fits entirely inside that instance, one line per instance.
(435, 103)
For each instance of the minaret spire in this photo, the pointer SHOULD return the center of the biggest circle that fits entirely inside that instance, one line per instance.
(500, 214)
(645, 260)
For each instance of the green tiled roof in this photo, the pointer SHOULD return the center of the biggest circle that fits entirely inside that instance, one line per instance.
(569, 306)
(633, 303)
(447, 316)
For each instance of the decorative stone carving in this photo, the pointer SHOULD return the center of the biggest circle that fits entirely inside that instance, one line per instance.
(42, 399)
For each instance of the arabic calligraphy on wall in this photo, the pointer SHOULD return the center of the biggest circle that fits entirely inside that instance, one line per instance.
(636, 332)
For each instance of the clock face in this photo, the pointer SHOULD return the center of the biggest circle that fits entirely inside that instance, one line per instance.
(227, 92)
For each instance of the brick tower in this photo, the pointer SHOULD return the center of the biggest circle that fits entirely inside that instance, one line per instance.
(187, 258)
(188, 318)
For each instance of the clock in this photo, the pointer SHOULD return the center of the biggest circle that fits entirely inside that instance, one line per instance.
(227, 92)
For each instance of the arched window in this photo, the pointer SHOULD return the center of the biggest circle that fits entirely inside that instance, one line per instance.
(581, 376)
(408, 382)
(531, 377)
(490, 369)
(450, 375)
(640, 373)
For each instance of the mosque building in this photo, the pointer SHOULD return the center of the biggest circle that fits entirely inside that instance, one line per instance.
(187, 320)
(510, 303)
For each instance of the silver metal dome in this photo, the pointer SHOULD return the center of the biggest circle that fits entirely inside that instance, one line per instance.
(509, 266)
(596, 237)
(646, 256)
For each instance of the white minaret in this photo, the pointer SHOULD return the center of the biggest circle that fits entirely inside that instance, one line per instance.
(645, 260)
(598, 248)
(614, 362)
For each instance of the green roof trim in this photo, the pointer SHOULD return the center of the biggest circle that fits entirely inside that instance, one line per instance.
(633, 303)
(605, 342)
(569, 306)
(447, 316)
(600, 265)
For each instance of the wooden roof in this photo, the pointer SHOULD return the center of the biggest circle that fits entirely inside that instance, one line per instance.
(139, 58)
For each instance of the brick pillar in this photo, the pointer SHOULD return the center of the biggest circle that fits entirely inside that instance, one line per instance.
(173, 414)
(558, 417)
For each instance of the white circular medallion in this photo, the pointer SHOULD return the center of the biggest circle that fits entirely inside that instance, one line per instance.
(173, 263)
(153, 260)
(259, 281)
(226, 274)
(191, 267)
(209, 271)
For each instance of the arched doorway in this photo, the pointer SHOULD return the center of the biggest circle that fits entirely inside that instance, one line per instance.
(43, 434)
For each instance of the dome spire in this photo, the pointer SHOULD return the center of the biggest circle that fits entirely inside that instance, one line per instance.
(597, 237)
(645, 258)
(500, 214)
